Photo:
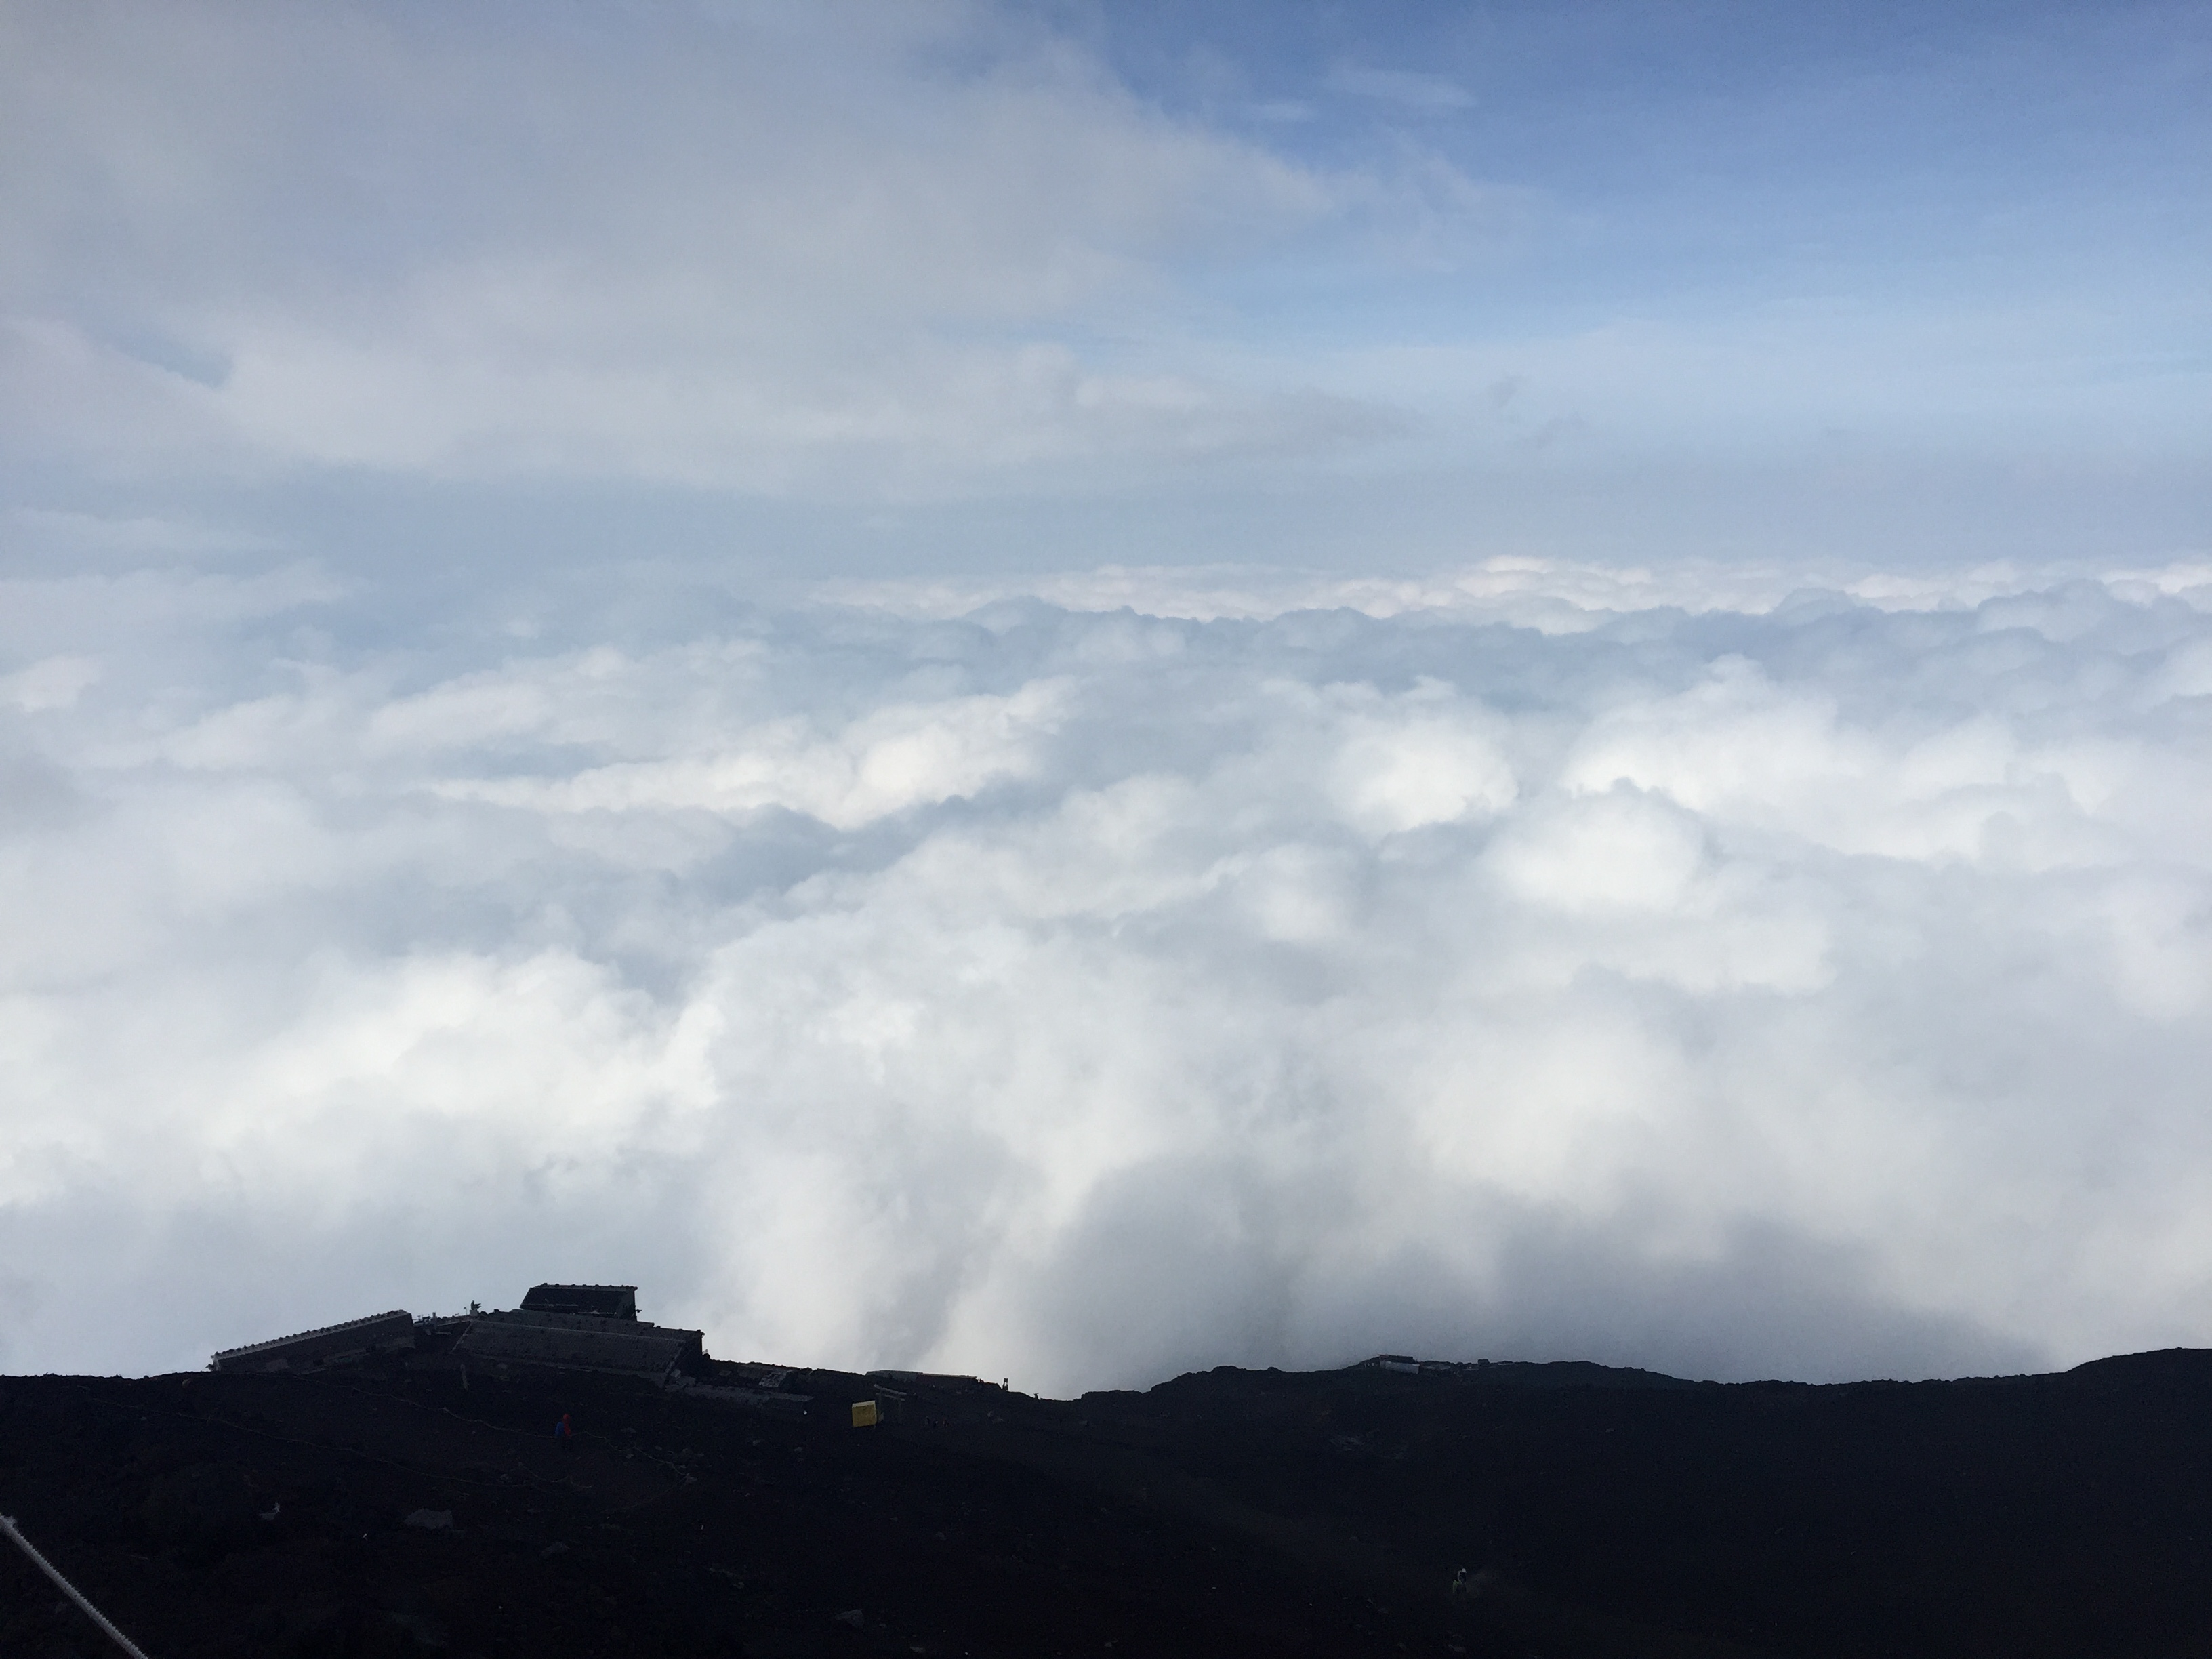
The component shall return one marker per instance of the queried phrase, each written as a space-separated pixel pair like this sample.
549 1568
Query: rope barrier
8 1526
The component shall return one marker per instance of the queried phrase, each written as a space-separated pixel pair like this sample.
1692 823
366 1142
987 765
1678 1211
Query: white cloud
55 683
883 247
1555 595
1407 767
1732 985
1773 962
896 757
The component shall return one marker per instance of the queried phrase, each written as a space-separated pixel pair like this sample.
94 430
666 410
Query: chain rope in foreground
8 1526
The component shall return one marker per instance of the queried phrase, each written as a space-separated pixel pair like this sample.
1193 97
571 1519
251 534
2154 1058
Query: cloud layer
1533 964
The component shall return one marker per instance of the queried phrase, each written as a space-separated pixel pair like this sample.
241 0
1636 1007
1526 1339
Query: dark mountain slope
1597 1512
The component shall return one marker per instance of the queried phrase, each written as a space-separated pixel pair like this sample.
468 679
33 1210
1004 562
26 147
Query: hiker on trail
565 1433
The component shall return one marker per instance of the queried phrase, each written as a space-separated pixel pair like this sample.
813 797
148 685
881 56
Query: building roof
325 1342
598 1301
580 1343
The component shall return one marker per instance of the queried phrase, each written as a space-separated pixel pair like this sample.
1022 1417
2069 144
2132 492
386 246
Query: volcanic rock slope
389 1510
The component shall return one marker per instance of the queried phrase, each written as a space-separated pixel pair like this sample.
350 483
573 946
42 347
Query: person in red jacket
565 1433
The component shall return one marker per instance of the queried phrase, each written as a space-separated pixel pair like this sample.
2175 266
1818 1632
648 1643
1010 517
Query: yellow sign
864 1413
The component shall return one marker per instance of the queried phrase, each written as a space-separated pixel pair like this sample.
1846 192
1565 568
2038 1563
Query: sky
1076 690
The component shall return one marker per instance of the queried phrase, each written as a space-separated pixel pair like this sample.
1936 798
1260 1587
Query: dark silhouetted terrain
1598 1512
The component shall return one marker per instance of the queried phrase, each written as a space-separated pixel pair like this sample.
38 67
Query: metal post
8 1526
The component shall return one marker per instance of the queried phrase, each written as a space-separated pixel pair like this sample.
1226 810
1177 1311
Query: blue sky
888 288
1717 154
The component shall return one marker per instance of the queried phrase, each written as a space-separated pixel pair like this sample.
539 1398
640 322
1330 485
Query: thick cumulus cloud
1535 963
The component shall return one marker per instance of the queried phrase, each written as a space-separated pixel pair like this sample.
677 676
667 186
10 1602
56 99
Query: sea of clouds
1083 980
